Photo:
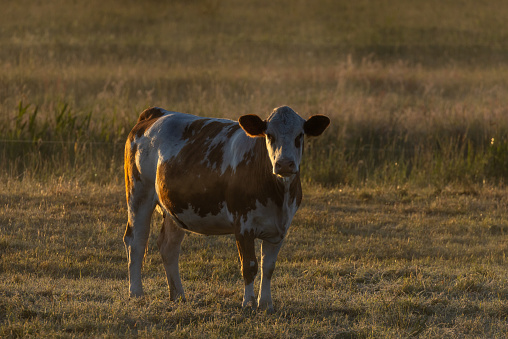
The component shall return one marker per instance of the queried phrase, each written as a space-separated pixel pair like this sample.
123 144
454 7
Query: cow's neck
288 198
286 189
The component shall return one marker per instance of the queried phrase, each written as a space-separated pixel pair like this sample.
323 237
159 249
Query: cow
213 177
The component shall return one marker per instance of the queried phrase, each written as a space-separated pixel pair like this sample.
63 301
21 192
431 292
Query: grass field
403 231
358 263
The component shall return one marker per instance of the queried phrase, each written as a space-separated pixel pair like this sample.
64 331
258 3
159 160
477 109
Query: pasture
404 223
360 263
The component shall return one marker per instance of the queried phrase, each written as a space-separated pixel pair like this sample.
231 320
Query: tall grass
61 144
415 95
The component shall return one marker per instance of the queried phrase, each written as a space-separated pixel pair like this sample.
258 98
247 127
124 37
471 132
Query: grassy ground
404 225
358 263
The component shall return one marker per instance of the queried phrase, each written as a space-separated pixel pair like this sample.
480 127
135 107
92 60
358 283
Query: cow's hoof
266 308
250 304
178 298
136 294
269 310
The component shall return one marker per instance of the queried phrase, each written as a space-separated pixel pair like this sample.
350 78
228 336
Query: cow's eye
298 141
270 138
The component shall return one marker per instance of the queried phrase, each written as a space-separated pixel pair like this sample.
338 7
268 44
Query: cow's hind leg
269 254
246 249
169 242
140 210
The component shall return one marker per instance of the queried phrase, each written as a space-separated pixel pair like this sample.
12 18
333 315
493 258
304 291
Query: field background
403 231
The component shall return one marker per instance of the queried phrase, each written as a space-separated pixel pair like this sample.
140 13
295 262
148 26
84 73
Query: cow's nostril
285 167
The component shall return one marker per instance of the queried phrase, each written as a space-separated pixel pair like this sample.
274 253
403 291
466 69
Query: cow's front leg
169 242
245 243
269 254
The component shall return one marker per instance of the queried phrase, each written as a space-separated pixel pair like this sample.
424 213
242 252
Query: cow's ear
316 125
253 125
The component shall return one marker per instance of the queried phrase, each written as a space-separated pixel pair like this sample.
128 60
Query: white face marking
284 141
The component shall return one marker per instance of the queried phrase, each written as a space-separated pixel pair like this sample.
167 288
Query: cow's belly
208 224
267 222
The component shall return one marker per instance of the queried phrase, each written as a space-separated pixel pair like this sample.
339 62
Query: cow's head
283 131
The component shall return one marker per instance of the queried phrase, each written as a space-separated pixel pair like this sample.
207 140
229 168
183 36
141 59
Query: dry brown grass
363 263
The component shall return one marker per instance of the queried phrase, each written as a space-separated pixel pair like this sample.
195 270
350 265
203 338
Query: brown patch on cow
254 181
247 252
186 180
150 113
146 119
190 178
201 130
193 128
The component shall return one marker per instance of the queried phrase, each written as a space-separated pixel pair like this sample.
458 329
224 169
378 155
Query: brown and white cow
212 177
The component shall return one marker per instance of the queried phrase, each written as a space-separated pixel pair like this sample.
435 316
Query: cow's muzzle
285 168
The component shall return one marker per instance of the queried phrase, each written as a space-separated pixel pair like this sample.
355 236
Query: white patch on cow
236 150
264 221
166 134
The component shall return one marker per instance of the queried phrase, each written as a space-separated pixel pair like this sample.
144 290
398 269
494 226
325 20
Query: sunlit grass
377 262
